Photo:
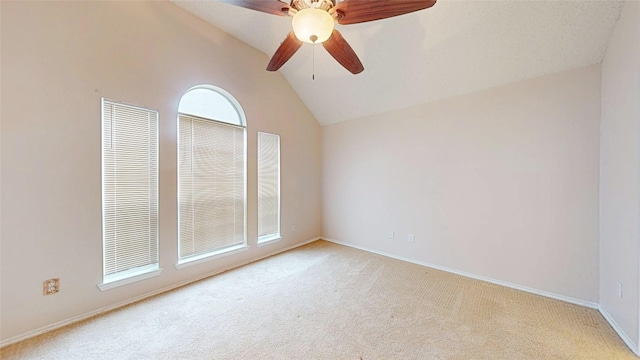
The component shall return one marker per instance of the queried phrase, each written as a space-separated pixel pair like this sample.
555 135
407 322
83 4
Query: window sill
269 239
211 256
134 277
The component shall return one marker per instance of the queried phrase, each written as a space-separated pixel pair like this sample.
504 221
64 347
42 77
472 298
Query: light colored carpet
326 301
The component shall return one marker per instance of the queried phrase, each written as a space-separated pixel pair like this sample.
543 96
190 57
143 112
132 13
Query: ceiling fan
313 22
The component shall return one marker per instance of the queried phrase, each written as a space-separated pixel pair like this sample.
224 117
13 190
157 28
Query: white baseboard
627 340
589 304
99 311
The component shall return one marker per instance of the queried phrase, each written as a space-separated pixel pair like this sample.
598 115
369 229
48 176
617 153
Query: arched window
211 174
212 103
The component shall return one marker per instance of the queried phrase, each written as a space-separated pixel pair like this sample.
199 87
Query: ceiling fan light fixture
312 26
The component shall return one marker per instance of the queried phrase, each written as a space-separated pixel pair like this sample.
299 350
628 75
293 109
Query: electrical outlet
391 234
412 238
51 286
619 289
293 227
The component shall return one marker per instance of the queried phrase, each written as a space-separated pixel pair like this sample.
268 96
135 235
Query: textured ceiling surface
453 48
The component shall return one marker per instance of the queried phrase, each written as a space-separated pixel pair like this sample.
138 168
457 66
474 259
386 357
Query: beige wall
501 183
620 174
58 60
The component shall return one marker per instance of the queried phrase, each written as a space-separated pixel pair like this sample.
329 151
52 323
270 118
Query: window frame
229 250
268 238
113 280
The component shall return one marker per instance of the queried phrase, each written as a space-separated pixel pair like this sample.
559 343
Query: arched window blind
129 190
211 174
268 187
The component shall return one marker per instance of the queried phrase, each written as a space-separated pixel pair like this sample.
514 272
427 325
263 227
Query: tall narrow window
211 174
268 187
129 191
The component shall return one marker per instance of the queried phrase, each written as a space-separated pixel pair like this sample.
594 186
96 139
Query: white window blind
211 187
268 186
129 190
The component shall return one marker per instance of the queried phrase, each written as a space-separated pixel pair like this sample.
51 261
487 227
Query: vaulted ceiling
453 48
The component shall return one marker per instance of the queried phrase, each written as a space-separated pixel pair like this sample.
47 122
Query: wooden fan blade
289 46
275 7
359 11
340 49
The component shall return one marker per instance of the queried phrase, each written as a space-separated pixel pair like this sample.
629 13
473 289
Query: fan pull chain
313 62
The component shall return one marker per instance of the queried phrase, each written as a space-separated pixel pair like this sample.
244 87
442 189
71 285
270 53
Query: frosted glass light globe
312 26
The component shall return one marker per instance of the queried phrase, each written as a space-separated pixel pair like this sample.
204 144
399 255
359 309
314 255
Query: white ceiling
453 48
